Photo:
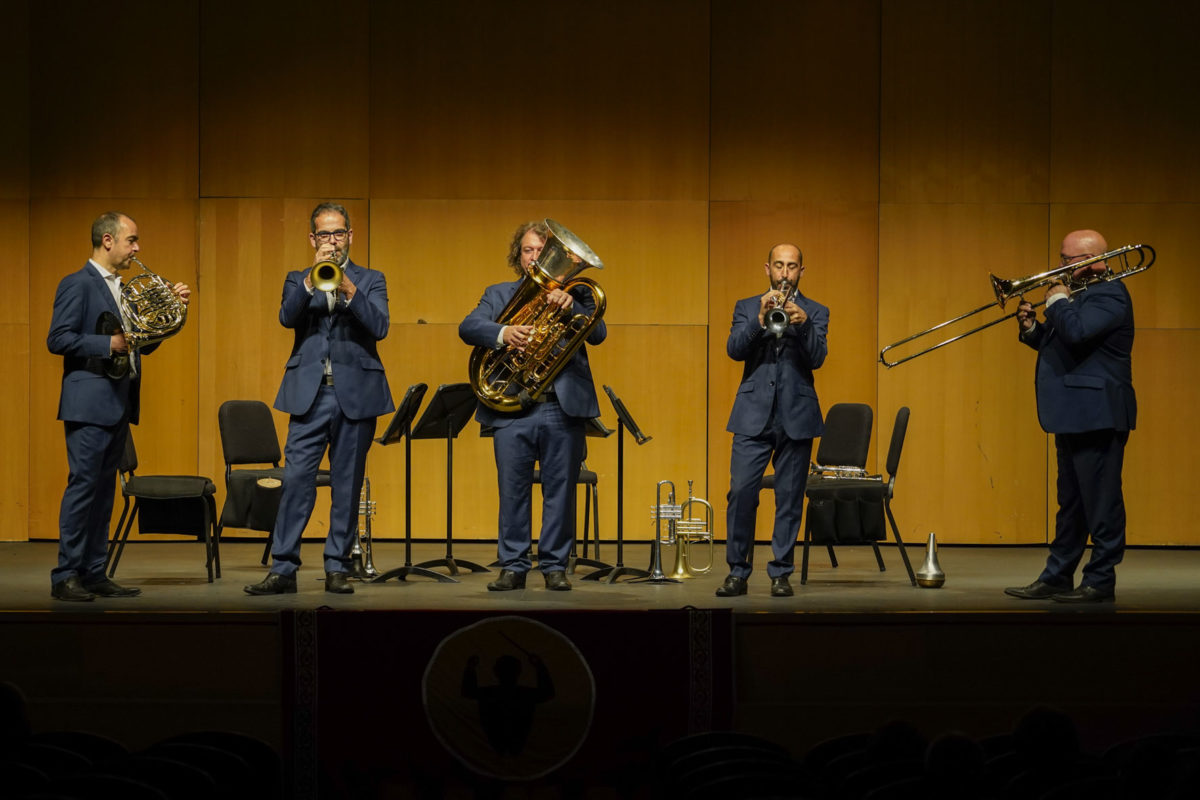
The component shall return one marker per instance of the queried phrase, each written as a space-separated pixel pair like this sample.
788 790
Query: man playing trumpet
1085 397
775 415
333 387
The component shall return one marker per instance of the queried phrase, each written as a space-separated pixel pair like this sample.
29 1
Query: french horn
150 313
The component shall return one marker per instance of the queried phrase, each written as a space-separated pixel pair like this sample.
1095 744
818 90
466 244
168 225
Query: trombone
1006 290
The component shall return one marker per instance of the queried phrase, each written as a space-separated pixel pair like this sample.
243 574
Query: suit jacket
778 368
1084 376
87 394
573 386
347 336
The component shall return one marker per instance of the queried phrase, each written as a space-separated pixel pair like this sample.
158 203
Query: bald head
1079 245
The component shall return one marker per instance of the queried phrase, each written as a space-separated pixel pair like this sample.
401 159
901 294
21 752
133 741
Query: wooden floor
173 578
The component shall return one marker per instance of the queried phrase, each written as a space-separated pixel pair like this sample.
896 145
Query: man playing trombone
1085 398
780 336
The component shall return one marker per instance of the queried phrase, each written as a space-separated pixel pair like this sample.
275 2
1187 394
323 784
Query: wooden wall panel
539 99
965 101
1124 126
1157 475
973 457
795 100
284 99
1168 294
444 252
14 393
14 134
116 115
839 245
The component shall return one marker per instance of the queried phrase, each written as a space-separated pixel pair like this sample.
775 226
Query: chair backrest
248 433
898 431
847 436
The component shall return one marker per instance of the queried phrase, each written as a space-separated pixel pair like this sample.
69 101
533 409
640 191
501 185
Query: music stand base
402 573
572 563
453 565
657 579
613 573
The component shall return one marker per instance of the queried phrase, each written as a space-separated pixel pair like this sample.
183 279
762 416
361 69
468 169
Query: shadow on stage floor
384 679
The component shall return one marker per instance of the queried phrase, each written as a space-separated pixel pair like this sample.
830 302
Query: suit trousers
308 435
93 455
1089 500
748 462
549 437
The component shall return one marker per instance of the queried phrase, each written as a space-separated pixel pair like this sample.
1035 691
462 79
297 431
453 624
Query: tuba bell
510 380
150 313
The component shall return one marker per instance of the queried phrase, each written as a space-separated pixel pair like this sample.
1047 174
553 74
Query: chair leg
596 518
887 506
878 557
832 558
267 548
124 535
208 541
587 517
804 556
116 537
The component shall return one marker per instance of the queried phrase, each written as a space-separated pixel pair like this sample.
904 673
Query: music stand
399 428
445 417
624 422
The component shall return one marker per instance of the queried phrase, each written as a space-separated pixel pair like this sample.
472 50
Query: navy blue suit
550 433
340 416
96 412
1085 397
775 416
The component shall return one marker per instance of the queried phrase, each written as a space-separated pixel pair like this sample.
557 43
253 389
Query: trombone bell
325 276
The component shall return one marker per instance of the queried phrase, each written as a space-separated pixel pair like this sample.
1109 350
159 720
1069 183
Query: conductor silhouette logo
509 697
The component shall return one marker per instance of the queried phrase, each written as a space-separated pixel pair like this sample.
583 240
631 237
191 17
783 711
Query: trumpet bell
325 276
930 575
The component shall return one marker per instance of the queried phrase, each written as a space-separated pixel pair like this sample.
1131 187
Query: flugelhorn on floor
1006 290
687 530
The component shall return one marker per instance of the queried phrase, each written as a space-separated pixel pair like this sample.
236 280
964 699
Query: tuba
511 380
151 312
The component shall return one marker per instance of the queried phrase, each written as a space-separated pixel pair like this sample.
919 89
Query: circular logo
509 697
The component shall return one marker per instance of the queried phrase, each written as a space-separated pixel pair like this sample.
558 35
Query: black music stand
624 422
400 428
445 417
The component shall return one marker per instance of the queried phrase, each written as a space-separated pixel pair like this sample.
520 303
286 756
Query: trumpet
361 564
325 276
1006 290
776 318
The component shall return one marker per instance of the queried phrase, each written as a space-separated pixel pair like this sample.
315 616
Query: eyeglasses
324 236
1065 259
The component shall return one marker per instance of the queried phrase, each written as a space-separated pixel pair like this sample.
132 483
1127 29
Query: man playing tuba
549 432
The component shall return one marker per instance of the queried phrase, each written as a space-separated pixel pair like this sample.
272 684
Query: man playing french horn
550 432
97 405
775 415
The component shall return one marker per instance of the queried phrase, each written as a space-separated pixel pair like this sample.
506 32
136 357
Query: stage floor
173 578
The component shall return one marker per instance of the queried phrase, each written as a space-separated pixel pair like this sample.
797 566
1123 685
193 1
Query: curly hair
514 247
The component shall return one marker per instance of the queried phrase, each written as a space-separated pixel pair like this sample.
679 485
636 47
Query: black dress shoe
107 588
1085 594
780 587
71 589
557 581
732 587
336 583
507 581
1036 591
274 583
